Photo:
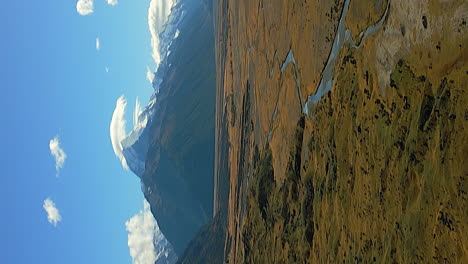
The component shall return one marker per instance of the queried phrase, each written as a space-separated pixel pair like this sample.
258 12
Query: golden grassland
377 172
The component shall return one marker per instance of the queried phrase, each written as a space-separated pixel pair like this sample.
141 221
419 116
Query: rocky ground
376 172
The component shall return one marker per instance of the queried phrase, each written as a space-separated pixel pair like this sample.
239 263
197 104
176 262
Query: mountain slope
375 171
178 175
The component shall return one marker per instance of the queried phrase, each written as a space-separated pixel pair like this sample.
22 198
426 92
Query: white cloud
158 13
141 231
84 7
53 214
112 2
98 44
117 129
57 152
107 69
149 74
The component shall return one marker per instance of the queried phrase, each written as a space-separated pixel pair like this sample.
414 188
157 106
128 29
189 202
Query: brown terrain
378 169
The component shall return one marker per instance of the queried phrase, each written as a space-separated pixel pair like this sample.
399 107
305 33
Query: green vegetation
378 174
377 171
278 227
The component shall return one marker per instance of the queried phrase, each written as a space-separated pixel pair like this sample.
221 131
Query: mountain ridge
175 140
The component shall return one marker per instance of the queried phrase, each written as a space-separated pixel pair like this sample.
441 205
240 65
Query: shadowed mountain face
208 244
178 175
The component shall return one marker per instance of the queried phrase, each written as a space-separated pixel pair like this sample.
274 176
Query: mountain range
171 147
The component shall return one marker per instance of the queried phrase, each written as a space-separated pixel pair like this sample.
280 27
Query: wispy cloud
149 74
158 13
117 129
84 7
141 229
107 69
98 44
112 2
58 153
53 214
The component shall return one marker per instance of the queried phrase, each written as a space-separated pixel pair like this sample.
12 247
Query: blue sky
54 83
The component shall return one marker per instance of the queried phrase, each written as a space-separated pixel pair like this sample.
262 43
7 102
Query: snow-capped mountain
169 33
171 145
164 252
135 145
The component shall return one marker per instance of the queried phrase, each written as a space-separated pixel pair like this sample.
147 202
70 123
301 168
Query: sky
65 197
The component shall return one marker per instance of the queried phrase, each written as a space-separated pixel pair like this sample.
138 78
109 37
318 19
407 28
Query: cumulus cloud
158 13
149 74
117 129
53 214
84 7
141 230
57 152
98 44
112 2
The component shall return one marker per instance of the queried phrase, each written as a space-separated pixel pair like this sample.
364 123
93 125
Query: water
342 36
289 59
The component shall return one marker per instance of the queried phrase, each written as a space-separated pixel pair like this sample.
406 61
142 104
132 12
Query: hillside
375 170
